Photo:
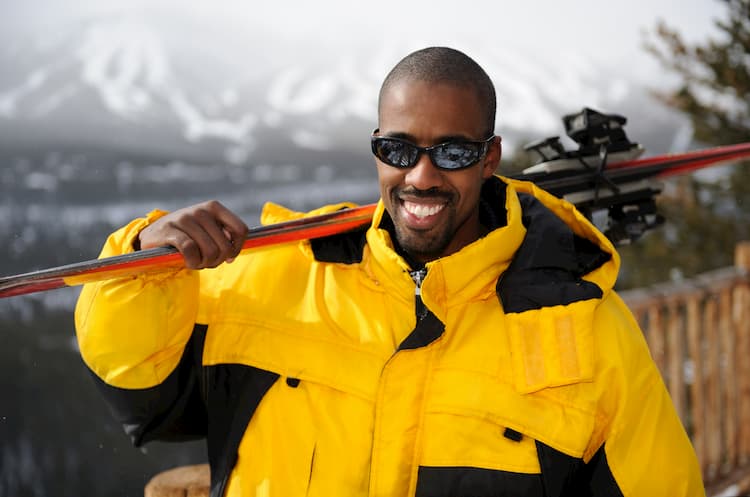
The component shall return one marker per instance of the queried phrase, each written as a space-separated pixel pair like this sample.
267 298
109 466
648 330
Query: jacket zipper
418 276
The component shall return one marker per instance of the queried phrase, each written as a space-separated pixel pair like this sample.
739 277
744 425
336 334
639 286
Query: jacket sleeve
641 445
138 337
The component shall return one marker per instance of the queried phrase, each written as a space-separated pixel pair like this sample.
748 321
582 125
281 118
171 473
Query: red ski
164 258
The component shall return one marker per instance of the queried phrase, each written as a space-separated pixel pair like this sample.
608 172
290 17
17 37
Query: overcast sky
599 29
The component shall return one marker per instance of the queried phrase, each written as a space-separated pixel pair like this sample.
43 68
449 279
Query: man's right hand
206 234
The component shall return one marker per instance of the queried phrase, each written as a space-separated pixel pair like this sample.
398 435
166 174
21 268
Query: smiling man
467 343
434 209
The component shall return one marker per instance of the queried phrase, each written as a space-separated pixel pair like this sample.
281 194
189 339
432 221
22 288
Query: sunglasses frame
374 138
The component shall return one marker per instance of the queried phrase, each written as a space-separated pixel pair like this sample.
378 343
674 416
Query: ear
492 158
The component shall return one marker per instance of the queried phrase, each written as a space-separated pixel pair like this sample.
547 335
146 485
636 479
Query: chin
418 246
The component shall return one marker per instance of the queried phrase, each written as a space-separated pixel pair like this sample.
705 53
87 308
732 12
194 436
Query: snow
295 91
197 127
9 99
125 62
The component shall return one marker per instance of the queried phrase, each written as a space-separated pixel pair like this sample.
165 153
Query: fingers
199 240
233 228
206 234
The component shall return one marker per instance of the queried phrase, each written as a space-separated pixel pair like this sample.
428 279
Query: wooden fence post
713 393
742 256
676 358
697 391
728 381
741 315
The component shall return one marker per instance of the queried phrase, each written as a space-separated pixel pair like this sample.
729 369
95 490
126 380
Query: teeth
421 210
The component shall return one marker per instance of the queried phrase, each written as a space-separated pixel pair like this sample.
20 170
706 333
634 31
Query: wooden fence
698 331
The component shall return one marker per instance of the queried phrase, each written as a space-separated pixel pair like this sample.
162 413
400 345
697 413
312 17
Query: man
468 343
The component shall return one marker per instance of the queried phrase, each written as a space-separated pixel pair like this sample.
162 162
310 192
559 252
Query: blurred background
108 110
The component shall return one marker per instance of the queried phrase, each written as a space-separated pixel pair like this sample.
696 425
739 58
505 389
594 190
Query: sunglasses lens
456 155
452 155
395 152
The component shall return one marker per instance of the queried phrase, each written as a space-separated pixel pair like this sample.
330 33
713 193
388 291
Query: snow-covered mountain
181 87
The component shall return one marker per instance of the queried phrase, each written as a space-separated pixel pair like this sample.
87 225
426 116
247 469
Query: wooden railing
698 331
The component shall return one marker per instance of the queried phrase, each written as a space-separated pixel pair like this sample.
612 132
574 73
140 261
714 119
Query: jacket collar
469 273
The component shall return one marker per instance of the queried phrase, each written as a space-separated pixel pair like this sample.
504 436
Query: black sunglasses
450 155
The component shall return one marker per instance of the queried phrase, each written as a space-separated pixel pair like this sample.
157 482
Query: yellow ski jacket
322 369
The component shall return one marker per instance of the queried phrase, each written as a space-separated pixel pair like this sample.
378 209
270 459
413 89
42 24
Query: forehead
424 111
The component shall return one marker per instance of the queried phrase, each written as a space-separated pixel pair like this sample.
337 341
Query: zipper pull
418 277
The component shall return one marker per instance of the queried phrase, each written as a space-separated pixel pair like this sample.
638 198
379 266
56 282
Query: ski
166 258
620 199
578 178
603 178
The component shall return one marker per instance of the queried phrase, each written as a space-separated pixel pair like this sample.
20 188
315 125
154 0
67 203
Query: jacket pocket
467 456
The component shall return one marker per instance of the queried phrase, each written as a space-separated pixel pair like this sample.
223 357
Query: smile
421 210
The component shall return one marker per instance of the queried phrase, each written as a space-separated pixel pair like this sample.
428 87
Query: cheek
388 178
469 188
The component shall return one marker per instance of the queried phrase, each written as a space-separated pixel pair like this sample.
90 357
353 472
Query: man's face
435 212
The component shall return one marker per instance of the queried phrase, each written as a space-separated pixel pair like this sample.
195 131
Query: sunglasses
450 155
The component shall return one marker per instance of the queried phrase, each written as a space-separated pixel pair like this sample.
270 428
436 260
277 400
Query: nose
424 175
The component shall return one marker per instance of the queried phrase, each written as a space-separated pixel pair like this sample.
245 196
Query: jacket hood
563 255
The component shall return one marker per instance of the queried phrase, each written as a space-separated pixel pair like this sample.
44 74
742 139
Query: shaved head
447 66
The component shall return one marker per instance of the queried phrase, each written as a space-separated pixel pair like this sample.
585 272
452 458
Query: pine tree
705 218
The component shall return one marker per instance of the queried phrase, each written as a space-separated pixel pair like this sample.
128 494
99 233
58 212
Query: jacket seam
279 329
489 465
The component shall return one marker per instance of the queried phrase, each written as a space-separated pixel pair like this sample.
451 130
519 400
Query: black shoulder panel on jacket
345 248
548 268
171 411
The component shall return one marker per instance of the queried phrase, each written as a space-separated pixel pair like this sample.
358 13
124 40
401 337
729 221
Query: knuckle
180 219
190 252
213 206
201 215
188 246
